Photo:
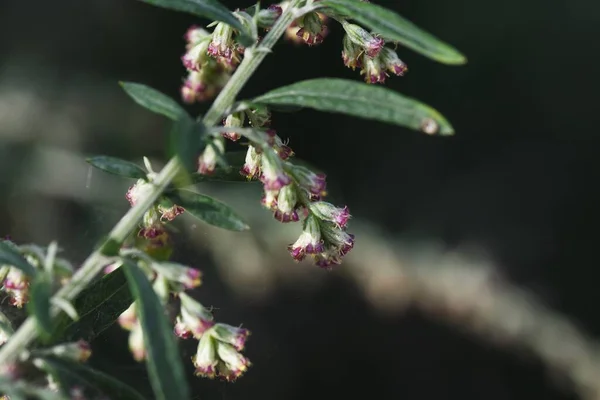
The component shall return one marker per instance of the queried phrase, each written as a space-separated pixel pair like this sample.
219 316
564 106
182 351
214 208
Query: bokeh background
504 212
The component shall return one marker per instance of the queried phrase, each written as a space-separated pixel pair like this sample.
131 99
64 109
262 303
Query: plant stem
93 265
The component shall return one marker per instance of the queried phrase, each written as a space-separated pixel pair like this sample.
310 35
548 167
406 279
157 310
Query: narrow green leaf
92 378
396 28
154 100
359 100
209 9
116 166
209 210
5 325
9 255
163 362
40 292
98 307
186 142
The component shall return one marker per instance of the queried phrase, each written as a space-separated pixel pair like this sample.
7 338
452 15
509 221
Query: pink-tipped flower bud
235 120
189 277
371 44
331 213
138 191
195 56
309 242
223 48
205 360
315 184
128 318
195 316
79 351
251 167
273 176
312 29
232 335
234 364
373 70
287 201
136 343
390 60
351 53
208 159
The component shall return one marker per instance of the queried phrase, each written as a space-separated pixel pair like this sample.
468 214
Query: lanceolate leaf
209 9
209 210
163 362
38 306
92 378
117 166
10 256
359 100
396 28
154 100
98 307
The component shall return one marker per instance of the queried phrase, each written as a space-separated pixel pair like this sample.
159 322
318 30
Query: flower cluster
367 51
293 192
153 227
219 344
15 283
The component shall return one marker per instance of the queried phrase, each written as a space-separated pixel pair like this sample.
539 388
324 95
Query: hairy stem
93 265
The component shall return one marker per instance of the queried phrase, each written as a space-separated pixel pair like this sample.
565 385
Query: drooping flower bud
311 29
79 351
331 213
232 335
373 70
205 360
273 176
314 183
235 120
222 46
208 159
195 316
251 167
391 62
371 44
139 190
286 204
128 318
351 53
233 364
136 342
189 277
196 56
309 242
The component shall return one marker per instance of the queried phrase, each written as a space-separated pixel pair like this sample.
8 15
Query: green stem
93 265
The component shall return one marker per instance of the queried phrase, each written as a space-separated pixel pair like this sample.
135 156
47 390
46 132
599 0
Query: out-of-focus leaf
396 28
209 9
186 142
359 100
164 365
9 255
154 100
38 306
209 210
116 166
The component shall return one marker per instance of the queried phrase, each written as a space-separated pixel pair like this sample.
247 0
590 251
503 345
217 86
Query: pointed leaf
396 28
98 307
90 377
163 362
154 100
359 100
209 9
116 166
40 292
209 210
9 255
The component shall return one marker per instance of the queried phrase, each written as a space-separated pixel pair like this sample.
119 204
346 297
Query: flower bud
128 318
311 29
188 277
170 213
331 213
230 334
205 360
234 364
222 46
136 342
195 56
208 159
391 62
269 200
138 191
273 176
309 242
195 34
315 184
267 17
371 44
251 167
235 120
373 70
351 53
79 351
286 204
194 315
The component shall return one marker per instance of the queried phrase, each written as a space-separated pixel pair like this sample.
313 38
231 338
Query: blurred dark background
517 181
